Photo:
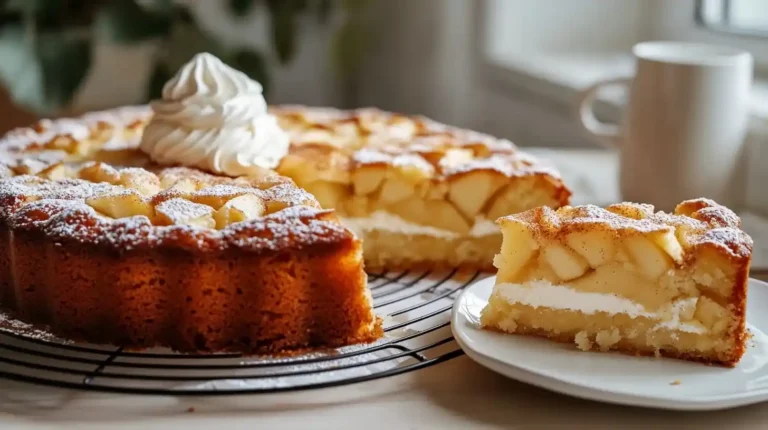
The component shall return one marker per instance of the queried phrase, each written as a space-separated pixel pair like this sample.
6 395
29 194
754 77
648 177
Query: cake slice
627 279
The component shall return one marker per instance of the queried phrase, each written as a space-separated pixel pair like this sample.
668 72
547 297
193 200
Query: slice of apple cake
625 278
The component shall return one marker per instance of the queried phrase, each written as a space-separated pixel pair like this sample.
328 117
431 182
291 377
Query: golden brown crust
630 349
60 213
698 223
217 301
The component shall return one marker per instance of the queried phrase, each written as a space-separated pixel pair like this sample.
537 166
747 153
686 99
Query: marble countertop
454 394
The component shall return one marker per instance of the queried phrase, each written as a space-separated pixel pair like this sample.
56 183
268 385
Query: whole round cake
208 221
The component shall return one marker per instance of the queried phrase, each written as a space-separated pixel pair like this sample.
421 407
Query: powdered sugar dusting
393 139
14 326
181 211
59 210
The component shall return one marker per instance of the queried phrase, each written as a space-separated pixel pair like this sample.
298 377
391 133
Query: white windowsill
561 77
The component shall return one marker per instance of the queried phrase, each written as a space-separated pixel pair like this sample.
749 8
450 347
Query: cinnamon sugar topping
695 223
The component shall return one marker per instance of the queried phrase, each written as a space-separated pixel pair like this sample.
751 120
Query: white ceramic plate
614 378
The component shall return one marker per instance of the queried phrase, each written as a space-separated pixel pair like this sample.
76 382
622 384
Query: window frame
701 21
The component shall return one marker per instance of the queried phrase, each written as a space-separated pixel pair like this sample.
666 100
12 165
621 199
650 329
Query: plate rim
558 385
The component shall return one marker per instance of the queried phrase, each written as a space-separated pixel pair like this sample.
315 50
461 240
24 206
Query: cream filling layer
385 221
544 294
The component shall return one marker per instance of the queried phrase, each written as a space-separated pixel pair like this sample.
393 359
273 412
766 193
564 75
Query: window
538 56
747 17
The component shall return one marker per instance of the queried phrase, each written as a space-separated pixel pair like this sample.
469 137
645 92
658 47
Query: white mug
684 126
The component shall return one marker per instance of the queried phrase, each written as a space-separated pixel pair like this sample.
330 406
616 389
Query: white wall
428 62
665 24
524 26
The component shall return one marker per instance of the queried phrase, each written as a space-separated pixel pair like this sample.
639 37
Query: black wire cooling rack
416 308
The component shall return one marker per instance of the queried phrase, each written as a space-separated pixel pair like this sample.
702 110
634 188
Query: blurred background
512 68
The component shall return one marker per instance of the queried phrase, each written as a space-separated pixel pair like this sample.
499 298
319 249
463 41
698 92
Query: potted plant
46 46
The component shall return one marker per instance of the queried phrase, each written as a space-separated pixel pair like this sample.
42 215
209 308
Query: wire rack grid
415 306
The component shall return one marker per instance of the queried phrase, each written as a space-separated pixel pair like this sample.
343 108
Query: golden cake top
344 140
198 212
82 179
90 168
694 223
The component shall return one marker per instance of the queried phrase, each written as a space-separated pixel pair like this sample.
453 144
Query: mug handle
608 135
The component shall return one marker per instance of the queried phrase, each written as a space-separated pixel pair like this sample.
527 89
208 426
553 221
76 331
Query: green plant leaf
324 9
185 41
354 5
253 64
160 75
30 6
284 29
240 8
158 6
43 13
349 46
124 21
43 74
300 5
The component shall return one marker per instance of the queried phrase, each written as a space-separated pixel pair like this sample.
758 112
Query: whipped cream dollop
214 117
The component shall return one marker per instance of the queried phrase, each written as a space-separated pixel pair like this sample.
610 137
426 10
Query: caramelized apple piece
566 263
329 194
100 172
367 179
186 185
444 215
517 249
413 168
512 198
413 210
184 212
396 189
649 258
239 209
470 191
437 190
668 242
597 247
143 181
56 172
121 204
356 206
631 210
217 195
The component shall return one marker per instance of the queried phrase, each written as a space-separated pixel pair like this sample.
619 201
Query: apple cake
179 258
209 221
627 279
